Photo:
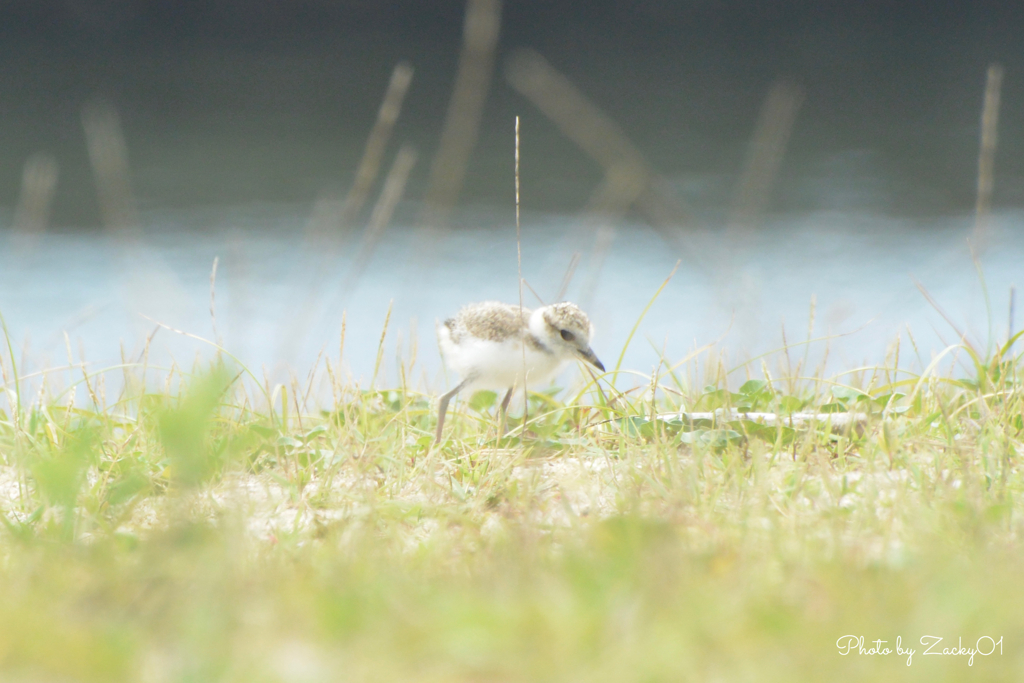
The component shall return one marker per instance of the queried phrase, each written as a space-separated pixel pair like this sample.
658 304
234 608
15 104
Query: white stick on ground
838 421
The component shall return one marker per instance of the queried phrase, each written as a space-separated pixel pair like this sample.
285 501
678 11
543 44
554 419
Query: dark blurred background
228 102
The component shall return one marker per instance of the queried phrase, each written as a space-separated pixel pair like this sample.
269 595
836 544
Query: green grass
218 530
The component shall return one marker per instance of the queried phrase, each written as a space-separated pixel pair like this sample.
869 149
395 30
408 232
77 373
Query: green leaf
482 400
391 399
790 404
319 429
633 426
672 425
712 400
126 487
769 433
849 395
743 403
884 399
61 477
715 439
753 386
185 430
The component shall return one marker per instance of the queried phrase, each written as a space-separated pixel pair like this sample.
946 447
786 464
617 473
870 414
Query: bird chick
492 345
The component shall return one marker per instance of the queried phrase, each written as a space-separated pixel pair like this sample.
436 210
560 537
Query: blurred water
279 301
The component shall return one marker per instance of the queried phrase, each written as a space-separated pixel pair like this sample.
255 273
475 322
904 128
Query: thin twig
462 122
567 279
764 156
987 152
599 137
38 183
1013 301
108 155
949 321
376 143
213 298
519 262
394 187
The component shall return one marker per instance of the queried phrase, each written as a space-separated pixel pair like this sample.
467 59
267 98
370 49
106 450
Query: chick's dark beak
587 354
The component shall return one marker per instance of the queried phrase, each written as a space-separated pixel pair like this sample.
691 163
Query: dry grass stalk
462 123
394 187
987 153
377 142
598 136
622 186
108 155
38 184
767 148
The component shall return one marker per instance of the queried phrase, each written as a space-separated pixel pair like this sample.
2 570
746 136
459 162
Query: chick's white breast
496 364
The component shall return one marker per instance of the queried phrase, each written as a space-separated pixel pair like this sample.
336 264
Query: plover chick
497 346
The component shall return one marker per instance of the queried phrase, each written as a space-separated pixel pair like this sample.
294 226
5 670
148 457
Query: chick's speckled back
488 320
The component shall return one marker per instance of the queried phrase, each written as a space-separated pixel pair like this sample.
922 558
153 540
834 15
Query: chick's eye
567 335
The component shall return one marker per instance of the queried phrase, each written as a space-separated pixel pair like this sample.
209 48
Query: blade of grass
636 325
